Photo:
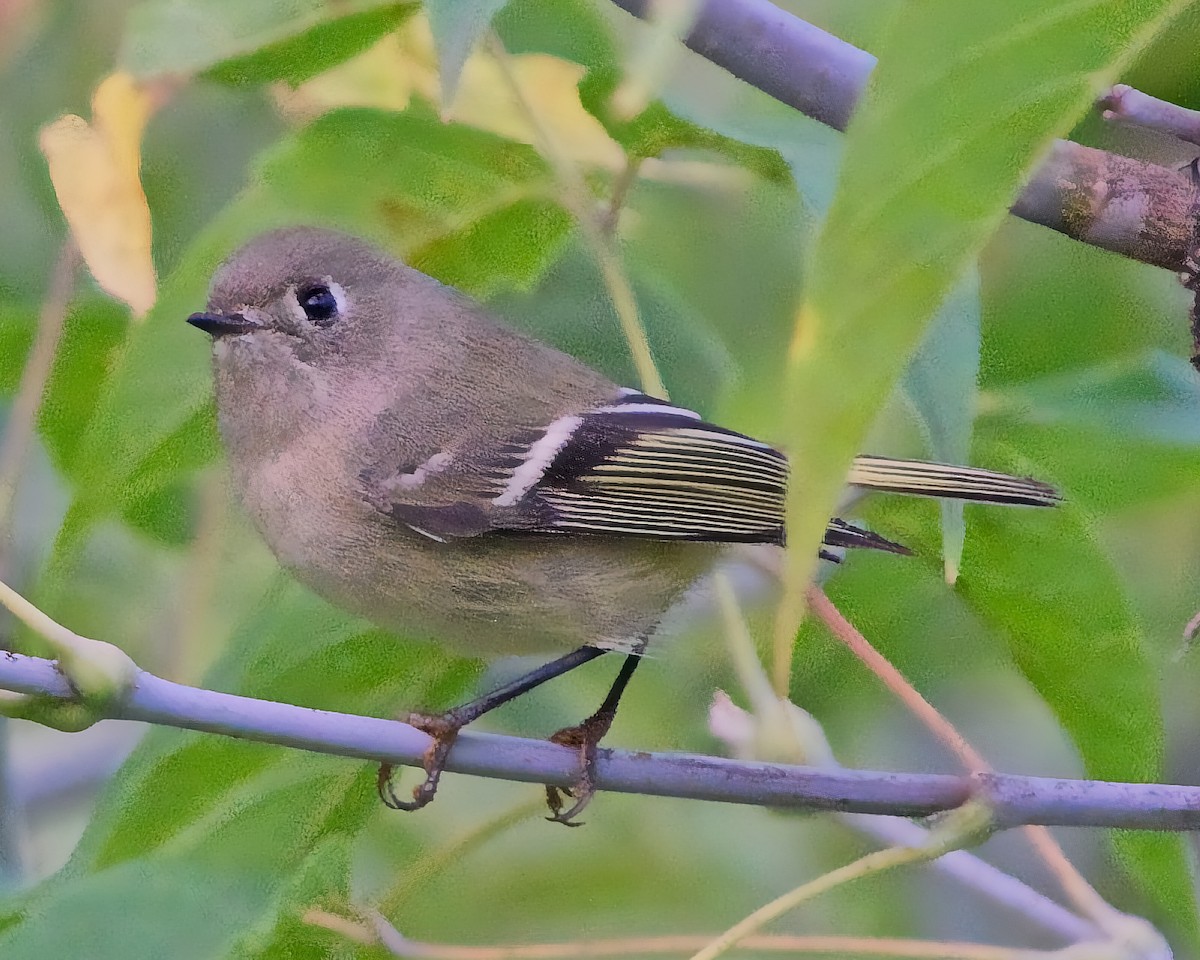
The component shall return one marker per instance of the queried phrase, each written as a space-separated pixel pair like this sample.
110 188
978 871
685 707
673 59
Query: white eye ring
323 302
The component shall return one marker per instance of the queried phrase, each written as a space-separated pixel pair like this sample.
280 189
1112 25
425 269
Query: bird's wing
642 467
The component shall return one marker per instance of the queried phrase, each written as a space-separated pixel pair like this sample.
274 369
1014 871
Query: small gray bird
414 460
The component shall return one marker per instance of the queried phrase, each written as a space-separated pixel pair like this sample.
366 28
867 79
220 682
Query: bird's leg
585 737
444 727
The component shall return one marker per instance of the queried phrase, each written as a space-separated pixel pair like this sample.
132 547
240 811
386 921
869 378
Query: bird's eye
319 304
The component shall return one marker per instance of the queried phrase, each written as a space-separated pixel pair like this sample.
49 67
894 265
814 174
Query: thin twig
417 874
376 930
1137 209
1080 892
976 874
1125 104
894 680
809 741
577 198
22 416
620 193
872 863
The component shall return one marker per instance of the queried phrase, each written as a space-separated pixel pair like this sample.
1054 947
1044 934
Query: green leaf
188 36
1094 467
17 328
457 26
252 816
298 58
1149 396
92 336
158 495
322 881
926 178
941 383
701 93
188 911
483 258
656 129
1044 584
240 803
569 29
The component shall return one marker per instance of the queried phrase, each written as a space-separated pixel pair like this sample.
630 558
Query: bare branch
1015 800
1137 209
1127 105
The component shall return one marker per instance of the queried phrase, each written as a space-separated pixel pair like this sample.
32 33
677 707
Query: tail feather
923 479
841 533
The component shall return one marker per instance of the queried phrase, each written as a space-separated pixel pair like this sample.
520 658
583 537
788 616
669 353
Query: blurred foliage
1056 651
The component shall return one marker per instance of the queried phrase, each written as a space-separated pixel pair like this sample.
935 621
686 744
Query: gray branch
1127 105
1014 800
1137 209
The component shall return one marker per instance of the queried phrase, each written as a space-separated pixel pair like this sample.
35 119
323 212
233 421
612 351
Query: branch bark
1137 209
1014 800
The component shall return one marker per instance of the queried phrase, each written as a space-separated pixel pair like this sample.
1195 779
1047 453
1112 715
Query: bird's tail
923 479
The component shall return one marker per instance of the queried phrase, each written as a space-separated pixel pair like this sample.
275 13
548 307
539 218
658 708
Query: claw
582 795
444 732
585 737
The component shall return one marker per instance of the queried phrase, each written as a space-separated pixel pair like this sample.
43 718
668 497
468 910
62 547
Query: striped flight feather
663 526
632 531
703 465
716 496
665 532
768 469
622 508
718 455
735 478
674 478
945 476
717 435
967 483
691 439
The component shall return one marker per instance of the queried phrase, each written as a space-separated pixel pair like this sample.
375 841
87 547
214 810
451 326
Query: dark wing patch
442 522
641 467
646 469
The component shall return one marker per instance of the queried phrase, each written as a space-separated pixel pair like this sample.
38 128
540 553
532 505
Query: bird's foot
584 737
444 730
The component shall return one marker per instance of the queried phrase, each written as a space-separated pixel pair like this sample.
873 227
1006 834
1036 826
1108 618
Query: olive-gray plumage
408 399
416 461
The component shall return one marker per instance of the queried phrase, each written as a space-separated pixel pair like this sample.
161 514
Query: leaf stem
22 416
578 200
1078 890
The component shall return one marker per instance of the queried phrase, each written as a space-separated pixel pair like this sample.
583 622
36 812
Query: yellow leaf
404 64
94 169
552 87
385 76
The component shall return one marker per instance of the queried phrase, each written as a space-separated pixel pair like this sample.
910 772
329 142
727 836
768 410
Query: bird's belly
500 595
490 595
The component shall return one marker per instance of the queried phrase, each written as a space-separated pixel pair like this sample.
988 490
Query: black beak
220 325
